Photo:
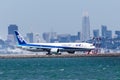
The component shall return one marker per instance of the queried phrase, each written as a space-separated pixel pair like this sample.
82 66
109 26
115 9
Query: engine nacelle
54 50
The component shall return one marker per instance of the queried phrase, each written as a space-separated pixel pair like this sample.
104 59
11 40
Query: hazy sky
62 16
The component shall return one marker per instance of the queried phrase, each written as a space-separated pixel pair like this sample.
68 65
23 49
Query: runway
36 55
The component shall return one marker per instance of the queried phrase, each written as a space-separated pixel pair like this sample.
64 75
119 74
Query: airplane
53 48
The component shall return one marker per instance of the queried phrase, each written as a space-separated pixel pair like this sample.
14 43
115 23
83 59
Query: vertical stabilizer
19 38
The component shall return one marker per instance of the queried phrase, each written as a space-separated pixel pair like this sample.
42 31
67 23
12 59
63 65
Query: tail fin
19 38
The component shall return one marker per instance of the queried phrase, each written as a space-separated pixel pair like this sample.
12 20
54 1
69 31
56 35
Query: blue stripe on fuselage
46 46
50 46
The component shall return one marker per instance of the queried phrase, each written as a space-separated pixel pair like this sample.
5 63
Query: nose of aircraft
92 46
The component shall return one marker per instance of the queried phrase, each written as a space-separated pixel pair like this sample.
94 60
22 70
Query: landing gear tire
59 53
89 52
48 54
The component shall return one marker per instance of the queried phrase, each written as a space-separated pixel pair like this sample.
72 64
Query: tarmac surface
2 56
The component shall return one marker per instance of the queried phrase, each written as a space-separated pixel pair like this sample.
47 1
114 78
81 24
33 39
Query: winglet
19 38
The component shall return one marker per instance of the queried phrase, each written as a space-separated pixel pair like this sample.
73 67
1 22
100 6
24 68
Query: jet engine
54 50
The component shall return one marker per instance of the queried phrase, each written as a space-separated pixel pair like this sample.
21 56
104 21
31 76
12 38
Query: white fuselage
58 46
53 47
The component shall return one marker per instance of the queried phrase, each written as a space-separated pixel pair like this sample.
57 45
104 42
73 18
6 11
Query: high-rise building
11 35
79 35
106 33
96 33
30 37
46 36
117 33
64 37
12 28
37 38
104 30
85 27
109 34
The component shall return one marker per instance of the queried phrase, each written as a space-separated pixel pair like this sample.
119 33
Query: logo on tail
19 38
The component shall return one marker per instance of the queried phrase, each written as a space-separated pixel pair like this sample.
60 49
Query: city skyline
67 37
57 16
104 41
99 32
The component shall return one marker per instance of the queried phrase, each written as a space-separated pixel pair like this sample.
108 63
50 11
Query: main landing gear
92 52
50 53
88 52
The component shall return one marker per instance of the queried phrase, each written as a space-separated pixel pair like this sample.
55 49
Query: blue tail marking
19 38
